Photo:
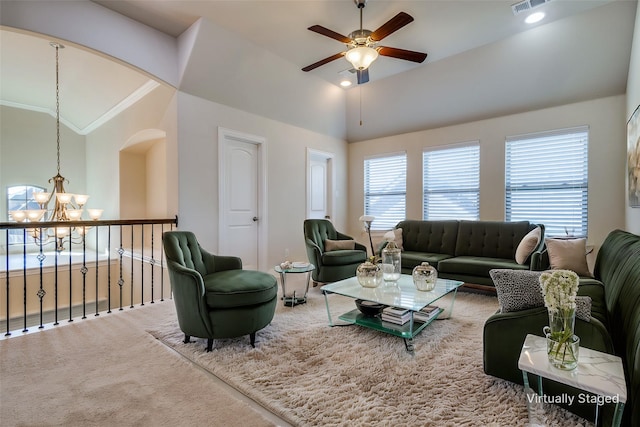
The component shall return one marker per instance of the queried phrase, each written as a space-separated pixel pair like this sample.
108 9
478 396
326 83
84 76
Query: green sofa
466 250
614 326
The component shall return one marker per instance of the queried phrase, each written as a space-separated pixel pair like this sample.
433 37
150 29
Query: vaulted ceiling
482 59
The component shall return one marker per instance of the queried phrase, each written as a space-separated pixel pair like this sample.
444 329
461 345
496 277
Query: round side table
293 300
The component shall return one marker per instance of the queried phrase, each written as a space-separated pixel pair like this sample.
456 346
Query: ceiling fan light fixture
361 57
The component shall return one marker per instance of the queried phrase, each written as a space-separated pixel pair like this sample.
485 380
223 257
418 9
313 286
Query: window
20 197
451 183
546 180
385 190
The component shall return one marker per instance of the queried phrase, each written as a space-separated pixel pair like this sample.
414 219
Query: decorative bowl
369 308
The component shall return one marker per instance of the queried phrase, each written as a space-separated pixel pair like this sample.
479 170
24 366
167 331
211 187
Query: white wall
28 153
286 146
605 118
633 100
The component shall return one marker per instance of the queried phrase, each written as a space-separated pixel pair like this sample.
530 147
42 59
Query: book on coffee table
396 315
427 313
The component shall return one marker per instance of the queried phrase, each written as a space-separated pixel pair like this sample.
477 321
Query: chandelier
67 206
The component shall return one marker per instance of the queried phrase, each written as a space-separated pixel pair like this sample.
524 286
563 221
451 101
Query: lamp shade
64 198
367 218
81 199
41 197
361 57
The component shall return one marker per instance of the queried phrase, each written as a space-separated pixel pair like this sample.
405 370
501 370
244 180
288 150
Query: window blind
547 180
385 190
451 183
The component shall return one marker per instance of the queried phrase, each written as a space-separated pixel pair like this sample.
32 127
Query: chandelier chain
57 109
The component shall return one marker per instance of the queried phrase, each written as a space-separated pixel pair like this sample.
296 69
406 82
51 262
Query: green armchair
214 297
334 260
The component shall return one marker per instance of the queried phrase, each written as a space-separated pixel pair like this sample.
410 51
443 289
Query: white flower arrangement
559 288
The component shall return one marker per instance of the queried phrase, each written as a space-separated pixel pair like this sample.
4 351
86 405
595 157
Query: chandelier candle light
65 209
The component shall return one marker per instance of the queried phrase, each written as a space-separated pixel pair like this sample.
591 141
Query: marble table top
597 372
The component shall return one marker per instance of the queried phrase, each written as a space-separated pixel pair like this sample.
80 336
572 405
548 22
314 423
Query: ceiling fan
362 44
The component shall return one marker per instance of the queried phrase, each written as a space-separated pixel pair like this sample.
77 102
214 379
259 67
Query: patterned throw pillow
517 289
520 289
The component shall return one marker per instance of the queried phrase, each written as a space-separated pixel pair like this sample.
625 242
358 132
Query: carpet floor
311 374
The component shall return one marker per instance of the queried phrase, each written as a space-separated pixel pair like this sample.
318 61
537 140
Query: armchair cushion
343 257
239 288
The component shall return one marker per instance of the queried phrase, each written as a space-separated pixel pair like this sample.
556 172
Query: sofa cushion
568 254
335 245
343 257
493 239
239 288
412 259
438 237
477 265
527 245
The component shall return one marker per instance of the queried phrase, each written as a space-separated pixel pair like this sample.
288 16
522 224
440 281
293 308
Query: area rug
311 374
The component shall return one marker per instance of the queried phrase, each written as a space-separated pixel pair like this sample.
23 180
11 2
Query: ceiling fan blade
323 61
329 33
407 55
391 26
363 76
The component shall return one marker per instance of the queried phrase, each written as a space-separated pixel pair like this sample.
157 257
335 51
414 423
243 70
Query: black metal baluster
6 277
70 279
131 266
152 262
142 265
161 263
55 284
97 252
41 292
109 269
120 280
84 271
24 278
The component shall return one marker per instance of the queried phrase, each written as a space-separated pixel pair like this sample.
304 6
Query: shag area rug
311 374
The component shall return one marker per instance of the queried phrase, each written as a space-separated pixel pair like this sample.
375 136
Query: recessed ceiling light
345 83
534 17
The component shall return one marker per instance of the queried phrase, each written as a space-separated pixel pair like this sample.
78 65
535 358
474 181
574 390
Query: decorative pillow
583 308
520 289
517 289
337 245
528 244
395 236
568 254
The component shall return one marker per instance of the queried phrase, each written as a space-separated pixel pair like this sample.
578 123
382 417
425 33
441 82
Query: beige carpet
314 375
108 371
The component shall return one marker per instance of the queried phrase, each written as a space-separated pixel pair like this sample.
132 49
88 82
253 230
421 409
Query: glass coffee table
402 294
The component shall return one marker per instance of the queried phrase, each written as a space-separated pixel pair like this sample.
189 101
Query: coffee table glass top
401 294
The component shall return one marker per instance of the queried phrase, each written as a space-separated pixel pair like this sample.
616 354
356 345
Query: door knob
255 218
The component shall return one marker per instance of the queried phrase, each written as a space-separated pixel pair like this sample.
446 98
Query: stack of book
396 315
400 316
426 314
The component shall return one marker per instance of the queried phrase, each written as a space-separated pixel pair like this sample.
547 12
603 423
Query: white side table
598 373
293 300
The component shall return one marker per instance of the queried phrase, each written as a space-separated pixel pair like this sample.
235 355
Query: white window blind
547 180
451 183
385 190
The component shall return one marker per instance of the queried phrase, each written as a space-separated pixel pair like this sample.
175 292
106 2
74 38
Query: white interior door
240 196
319 184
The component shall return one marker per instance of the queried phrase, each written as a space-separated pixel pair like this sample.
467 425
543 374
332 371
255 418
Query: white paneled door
319 182
240 207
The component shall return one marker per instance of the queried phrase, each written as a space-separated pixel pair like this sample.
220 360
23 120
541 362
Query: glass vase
369 275
391 263
424 277
562 345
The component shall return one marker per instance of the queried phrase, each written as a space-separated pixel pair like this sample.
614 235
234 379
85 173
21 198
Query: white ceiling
475 47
